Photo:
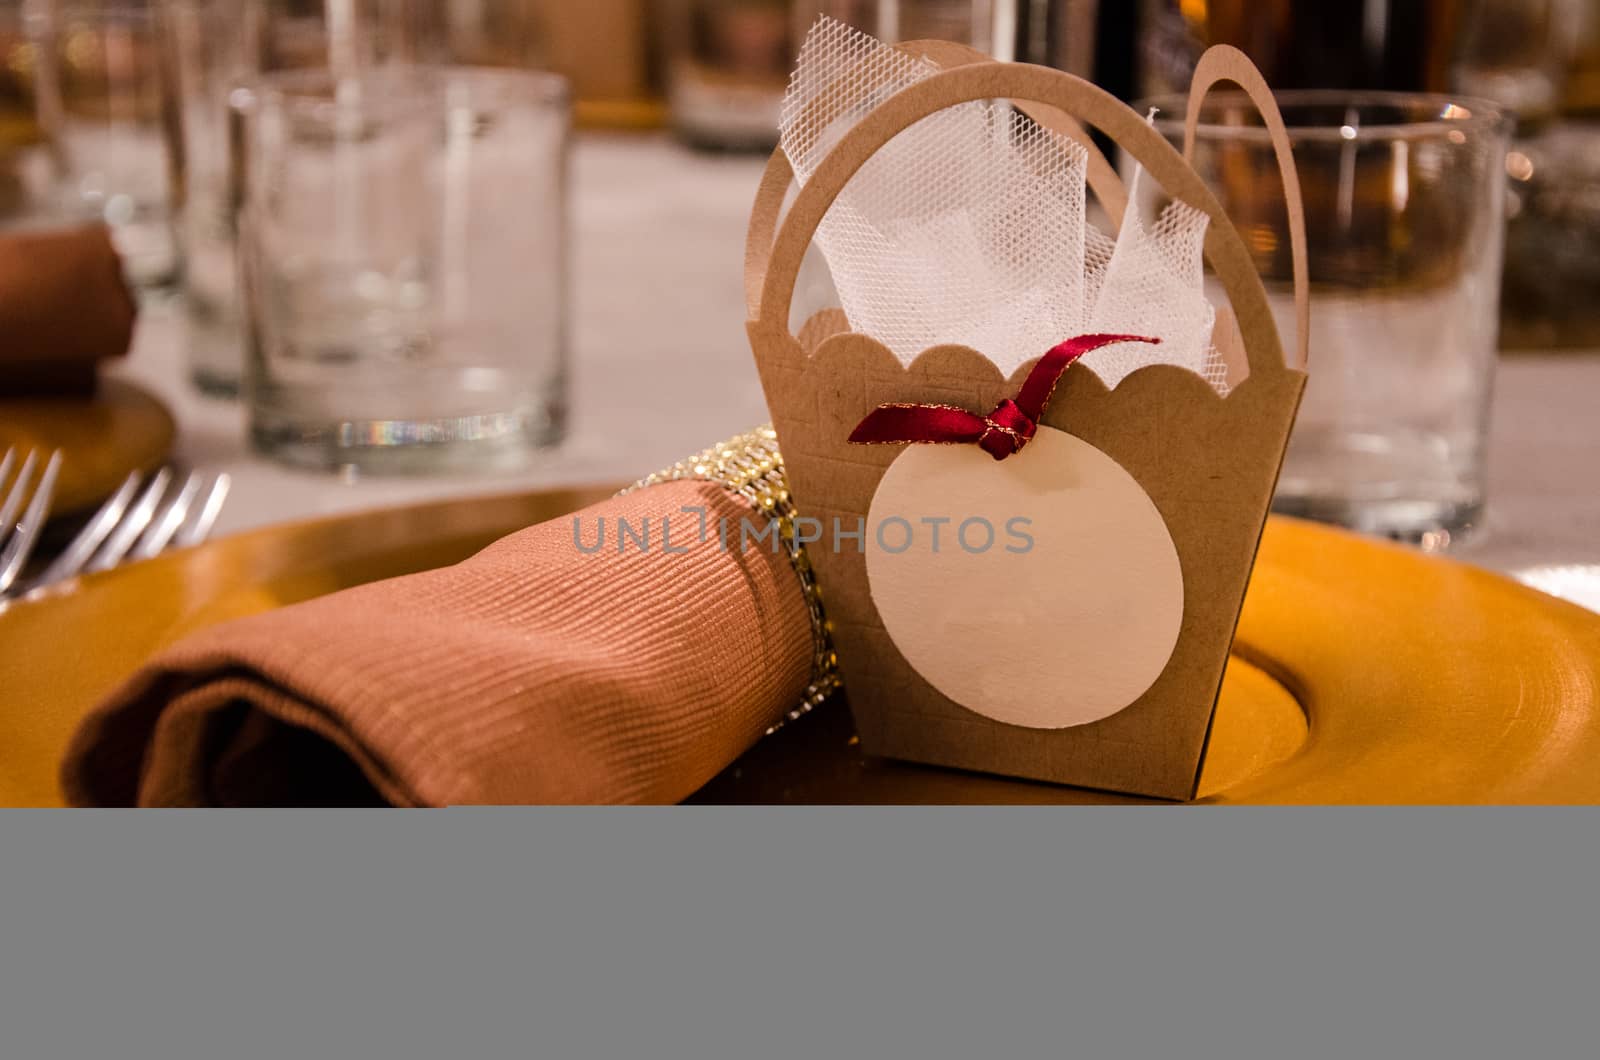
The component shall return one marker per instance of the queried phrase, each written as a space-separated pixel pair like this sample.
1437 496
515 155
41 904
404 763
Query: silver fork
134 524
20 536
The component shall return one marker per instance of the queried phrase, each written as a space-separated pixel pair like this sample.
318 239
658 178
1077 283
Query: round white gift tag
1042 590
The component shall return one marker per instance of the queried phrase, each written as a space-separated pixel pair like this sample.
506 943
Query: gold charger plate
121 429
1362 672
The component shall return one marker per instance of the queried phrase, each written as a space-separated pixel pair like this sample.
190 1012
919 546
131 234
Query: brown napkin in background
64 307
531 673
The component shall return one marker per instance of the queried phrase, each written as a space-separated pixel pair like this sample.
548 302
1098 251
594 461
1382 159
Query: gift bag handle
1101 175
773 262
1227 63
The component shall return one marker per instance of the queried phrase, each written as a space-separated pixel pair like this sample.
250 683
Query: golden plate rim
1424 719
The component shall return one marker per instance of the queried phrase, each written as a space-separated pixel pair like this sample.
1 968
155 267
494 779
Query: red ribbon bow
1004 431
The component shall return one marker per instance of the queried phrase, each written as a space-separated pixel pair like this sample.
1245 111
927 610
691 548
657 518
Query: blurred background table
661 369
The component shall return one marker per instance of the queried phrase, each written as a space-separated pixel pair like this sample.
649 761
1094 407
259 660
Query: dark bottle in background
1401 45
1536 57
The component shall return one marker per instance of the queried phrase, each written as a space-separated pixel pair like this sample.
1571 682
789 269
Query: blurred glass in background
727 62
1516 52
93 71
1540 58
217 46
1404 205
213 45
404 265
1400 45
1553 242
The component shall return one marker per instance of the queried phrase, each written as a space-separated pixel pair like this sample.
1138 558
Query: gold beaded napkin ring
751 468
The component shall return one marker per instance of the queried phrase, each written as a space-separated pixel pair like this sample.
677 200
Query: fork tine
199 528
6 462
27 535
19 490
132 524
93 534
166 524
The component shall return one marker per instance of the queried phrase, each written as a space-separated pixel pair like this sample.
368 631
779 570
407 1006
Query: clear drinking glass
215 46
101 78
1405 218
404 265
501 33
346 35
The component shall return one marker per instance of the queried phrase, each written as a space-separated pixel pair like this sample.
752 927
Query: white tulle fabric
970 228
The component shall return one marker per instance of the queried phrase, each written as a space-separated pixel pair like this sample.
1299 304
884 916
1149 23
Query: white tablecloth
661 369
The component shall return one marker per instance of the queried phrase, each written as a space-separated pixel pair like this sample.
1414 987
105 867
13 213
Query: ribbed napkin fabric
534 672
64 307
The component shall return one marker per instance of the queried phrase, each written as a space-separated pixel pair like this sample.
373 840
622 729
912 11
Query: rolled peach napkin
531 673
64 307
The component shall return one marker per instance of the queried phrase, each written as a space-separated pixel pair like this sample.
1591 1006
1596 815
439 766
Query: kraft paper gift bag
1034 463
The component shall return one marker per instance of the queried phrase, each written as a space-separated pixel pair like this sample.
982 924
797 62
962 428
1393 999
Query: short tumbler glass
215 46
404 266
1405 218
